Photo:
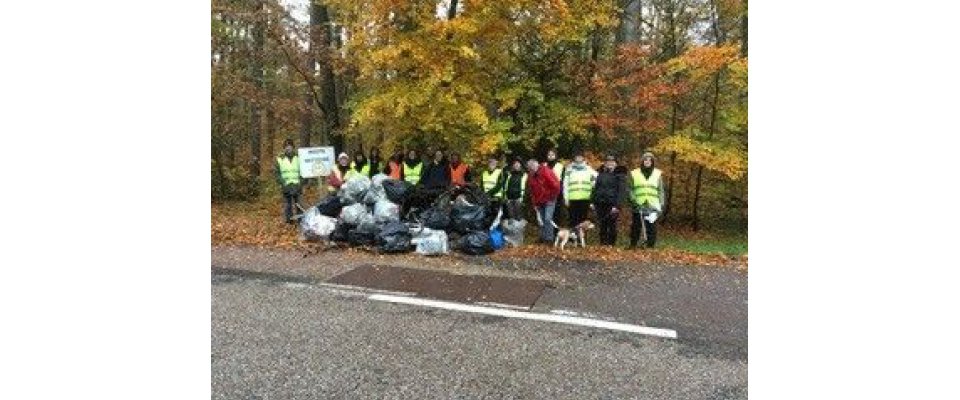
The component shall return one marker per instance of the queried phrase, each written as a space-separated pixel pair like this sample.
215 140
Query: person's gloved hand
652 217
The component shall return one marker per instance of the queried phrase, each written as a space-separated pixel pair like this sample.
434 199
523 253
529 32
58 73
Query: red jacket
543 186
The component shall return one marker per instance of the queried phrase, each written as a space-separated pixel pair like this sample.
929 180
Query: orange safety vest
395 169
458 174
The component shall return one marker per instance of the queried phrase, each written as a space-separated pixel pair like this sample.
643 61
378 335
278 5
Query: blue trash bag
496 239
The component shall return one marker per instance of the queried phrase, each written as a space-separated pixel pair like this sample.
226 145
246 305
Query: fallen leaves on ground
613 255
260 224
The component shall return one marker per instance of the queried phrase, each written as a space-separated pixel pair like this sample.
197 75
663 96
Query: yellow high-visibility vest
646 191
412 174
289 170
489 180
365 171
579 184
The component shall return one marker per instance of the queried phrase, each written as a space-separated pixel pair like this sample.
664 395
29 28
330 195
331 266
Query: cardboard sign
315 161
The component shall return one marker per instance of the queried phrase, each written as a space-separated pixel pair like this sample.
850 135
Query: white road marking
361 289
578 314
501 305
563 319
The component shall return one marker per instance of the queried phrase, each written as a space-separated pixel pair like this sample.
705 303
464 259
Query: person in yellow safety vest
578 181
412 167
287 169
359 166
514 188
559 169
492 179
647 194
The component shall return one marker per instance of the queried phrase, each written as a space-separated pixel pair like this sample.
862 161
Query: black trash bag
341 232
476 243
363 235
397 191
422 197
472 193
394 237
435 218
330 206
465 218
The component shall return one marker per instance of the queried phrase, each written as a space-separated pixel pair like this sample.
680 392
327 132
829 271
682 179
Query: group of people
550 187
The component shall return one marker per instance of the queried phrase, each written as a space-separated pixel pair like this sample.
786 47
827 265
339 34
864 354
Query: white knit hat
343 155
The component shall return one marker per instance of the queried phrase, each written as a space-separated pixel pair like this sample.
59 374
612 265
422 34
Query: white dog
577 234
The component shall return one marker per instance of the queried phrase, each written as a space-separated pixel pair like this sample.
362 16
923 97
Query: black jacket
609 187
436 174
512 187
375 167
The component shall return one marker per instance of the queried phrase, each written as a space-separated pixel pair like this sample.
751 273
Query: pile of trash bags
395 216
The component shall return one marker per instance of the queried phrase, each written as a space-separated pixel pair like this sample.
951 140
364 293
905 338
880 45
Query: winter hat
648 154
343 155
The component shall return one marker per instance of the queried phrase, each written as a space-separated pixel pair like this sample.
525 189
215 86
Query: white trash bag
513 231
315 226
354 189
367 219
430 242
378 179
376 192
386 211
354 214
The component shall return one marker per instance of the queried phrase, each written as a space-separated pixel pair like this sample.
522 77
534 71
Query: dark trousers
290 201
579 210
635 225
558 212
513 209
607 222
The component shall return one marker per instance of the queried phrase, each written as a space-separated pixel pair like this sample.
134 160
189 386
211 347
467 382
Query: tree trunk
673 157
306 121
320 36
696 200
719 37
306 117
743 31
628 31
256 66
452 11
667 207
270 134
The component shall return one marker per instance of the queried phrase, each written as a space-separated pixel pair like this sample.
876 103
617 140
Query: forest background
482 77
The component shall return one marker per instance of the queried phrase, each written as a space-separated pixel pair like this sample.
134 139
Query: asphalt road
280 338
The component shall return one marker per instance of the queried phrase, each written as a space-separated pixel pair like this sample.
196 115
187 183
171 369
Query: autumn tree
479 77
